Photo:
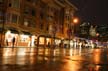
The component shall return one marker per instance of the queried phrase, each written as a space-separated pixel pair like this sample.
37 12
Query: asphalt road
53 59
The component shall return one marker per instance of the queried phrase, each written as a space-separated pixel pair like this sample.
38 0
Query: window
1 1
29 23
26 22
14 18
1 13
1 20
67 17
41 16
30 11
26 10
33 12
8 15
14 3
33 24
47 28
10 4
41 26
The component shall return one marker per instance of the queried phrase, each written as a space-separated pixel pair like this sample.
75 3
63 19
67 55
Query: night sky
94 11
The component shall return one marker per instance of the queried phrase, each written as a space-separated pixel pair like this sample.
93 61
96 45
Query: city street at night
53 35
53 59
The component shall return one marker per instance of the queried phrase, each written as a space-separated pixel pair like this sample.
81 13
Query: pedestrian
13 41
7 42
48 44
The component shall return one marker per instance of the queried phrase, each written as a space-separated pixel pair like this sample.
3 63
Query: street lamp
74 21
71 29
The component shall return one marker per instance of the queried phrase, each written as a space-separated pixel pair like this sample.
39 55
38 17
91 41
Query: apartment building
34 22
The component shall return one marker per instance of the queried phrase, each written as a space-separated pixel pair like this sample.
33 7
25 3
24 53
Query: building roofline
62 5
71 5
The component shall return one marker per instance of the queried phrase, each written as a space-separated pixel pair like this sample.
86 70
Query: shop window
24 38
41 40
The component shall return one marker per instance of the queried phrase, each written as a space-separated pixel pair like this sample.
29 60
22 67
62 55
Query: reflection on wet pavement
50 59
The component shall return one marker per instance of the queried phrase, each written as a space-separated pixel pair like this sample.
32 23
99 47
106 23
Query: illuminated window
29 23
41 40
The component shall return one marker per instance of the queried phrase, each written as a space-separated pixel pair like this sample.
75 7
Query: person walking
13 41
6 42
48 44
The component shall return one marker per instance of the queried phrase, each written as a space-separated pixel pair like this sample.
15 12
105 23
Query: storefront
57 41
44 40
9 35
21 39
48 40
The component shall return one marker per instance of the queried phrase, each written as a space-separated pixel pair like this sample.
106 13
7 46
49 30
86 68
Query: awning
26 33
48 36
14 31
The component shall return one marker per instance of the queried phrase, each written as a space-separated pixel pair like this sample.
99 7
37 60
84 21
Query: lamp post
70 31
74 21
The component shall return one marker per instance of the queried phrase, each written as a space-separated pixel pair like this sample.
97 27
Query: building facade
34 22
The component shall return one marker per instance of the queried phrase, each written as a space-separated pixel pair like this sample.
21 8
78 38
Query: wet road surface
50 59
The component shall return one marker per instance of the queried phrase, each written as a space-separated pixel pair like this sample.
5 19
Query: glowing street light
71 28
75 20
